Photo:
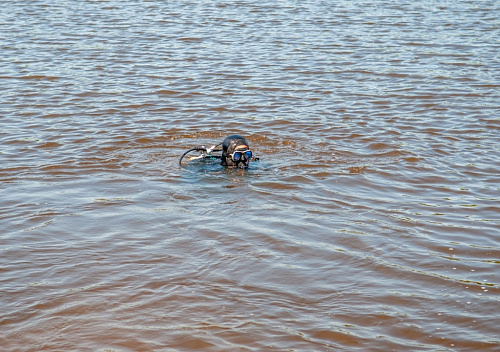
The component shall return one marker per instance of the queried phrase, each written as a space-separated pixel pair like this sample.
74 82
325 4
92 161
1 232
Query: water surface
371 222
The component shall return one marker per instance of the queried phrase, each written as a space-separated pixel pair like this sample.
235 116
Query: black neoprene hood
228 146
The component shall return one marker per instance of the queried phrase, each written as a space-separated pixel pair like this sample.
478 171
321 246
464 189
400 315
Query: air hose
206 153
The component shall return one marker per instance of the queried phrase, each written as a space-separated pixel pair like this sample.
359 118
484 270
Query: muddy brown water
370 223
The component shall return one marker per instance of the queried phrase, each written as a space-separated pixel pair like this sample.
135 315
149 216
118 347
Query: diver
236 153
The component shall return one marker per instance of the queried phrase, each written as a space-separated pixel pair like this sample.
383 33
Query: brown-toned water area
371 221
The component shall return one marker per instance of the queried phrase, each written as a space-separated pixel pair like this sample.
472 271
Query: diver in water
236 153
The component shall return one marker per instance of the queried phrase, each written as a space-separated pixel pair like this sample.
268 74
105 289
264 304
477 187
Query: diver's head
235 152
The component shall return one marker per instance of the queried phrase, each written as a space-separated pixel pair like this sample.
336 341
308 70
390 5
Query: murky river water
370 223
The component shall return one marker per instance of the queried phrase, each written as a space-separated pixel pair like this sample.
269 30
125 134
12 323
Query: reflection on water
370 222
